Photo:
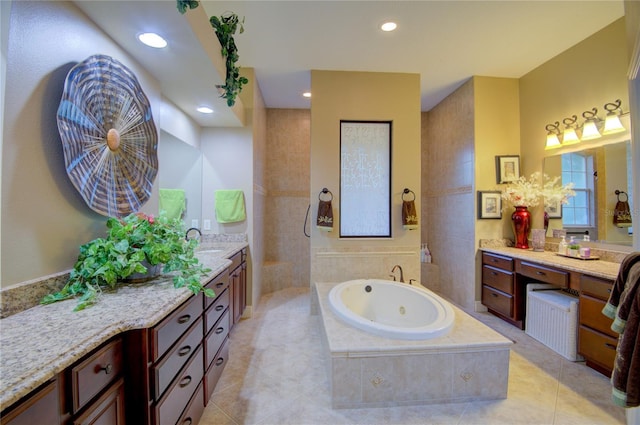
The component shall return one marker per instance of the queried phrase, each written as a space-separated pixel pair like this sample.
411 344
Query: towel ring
620 192
325 191
406 191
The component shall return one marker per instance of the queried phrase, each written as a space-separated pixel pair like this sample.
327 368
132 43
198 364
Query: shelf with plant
133 244
225 26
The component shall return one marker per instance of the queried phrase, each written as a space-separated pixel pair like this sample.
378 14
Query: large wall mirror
181 168
602 176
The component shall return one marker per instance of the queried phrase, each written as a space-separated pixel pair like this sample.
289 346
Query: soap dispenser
562 246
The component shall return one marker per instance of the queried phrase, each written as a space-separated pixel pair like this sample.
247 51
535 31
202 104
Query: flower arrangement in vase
523 193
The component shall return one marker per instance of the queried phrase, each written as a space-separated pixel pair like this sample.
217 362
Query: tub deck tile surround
470 363
38 343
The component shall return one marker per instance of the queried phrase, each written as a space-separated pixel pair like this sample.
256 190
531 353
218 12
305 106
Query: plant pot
152 272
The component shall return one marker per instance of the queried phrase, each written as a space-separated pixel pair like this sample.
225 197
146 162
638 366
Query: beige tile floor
276 375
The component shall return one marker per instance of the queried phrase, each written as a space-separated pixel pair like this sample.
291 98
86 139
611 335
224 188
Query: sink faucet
186 235
393 270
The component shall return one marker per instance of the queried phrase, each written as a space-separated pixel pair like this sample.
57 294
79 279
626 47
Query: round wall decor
109 139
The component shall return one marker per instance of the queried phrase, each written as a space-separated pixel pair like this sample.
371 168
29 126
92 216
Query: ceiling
446 42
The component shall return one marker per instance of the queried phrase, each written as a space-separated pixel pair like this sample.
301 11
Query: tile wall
287 183
448 197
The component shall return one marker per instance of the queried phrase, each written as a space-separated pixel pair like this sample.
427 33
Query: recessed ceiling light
205 110
306 94
152 39
388 26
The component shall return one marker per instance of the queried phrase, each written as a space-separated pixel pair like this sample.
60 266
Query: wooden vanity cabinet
238 284
41 406
499 289
596 341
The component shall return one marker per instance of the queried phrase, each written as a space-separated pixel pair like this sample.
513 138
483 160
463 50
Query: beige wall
288 175
587 75
339 95
44 219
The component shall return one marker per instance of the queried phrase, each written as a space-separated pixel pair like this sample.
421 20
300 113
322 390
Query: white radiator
552 319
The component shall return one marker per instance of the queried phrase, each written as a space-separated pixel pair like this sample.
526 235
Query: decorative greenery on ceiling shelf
225 27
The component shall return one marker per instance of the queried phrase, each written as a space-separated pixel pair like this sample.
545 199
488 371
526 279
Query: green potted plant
134 245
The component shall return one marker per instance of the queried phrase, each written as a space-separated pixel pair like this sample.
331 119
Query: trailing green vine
225 28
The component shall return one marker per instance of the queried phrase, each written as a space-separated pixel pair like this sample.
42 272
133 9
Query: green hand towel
172 202
230 206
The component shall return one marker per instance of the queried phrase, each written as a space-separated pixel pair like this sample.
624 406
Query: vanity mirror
180 167
597 171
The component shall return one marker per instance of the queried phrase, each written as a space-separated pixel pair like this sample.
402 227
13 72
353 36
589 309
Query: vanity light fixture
569 136
590 127
612 122
306 94
152 39
553 131
388 26
204 110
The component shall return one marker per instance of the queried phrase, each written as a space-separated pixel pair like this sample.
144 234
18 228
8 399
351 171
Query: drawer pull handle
611 346
184 319
107 369
219 330
539 273
219 284
184 350
494 295
219 361
494 273
495 260
609 290
187 421
219 307
185 381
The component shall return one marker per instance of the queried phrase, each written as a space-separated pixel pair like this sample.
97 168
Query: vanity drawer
596 287
215 338
215 370
194 410
544 274
95 373
591 315
597 347
504 263
497 301
216 311
236 260
168 367
168 410
218 284
496 278
167 332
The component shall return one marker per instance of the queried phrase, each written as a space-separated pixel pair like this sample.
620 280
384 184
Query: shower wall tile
287 186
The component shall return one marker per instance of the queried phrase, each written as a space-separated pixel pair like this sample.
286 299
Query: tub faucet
186 235
393 270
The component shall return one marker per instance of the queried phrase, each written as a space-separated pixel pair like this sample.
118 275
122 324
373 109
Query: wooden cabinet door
39 408
107 410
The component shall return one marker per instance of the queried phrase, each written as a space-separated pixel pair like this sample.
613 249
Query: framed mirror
365 179
597 173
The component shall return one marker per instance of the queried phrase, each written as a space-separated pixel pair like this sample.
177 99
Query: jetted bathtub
391 309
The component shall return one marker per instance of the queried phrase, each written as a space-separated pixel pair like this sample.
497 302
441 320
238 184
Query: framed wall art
489 204
553 208
507 168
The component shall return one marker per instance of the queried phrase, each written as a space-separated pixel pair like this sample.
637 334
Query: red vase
521 221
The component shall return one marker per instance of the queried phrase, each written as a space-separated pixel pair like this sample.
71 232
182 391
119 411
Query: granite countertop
38 343
598 268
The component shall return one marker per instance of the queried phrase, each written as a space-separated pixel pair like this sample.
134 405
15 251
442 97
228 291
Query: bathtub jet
392 310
